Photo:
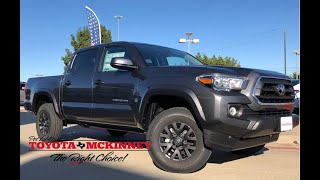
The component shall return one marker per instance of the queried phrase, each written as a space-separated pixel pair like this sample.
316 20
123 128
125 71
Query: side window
176 61
110 53
84 62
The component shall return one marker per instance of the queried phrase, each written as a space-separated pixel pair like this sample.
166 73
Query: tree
220 61
294 75
82 39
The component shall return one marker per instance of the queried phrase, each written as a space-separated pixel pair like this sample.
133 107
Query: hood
199 70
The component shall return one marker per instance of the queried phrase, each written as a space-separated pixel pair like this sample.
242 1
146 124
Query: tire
166 157
249 151
48 130
117 133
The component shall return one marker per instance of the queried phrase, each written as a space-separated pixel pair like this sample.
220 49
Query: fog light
232 111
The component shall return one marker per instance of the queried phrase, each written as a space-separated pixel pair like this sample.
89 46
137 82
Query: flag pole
97 20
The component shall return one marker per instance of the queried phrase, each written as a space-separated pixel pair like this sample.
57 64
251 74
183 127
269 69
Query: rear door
113 89
77 86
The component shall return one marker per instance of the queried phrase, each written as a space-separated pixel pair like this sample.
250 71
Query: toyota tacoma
185 108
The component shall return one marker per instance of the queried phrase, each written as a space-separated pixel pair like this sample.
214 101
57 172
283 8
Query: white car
296 87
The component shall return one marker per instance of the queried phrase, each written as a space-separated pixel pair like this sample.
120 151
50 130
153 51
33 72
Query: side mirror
122 63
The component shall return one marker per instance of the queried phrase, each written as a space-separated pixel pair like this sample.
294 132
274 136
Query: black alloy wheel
44 123
49 126
178 141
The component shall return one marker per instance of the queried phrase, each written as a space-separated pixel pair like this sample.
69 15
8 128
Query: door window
84 62
110 53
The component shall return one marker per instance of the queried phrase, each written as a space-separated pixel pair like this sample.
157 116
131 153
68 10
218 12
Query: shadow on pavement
27 118
220 157
23 149
45 168
75 132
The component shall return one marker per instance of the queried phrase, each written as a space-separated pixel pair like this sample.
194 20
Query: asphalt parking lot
278 160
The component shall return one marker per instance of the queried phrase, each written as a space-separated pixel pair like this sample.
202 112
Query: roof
119 42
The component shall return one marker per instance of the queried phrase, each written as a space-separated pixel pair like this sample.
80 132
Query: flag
94 27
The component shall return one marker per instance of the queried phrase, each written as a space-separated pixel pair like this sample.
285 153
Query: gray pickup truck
185 108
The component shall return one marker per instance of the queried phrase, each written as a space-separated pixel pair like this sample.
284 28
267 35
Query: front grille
247 112
266 90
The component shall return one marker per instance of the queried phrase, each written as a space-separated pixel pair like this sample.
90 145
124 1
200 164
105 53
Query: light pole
189 40
296 52
285 52
118 17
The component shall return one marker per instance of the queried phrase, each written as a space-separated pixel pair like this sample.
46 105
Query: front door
113 90
77 86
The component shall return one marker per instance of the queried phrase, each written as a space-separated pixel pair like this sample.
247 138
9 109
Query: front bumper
234 133
252 138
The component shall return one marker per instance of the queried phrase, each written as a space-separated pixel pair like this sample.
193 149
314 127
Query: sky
250 31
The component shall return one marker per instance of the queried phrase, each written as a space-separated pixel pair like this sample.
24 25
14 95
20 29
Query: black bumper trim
226 142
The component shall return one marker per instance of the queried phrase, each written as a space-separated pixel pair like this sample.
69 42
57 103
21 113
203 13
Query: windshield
162 56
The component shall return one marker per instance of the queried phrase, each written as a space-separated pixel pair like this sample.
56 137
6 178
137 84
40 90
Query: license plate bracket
286 123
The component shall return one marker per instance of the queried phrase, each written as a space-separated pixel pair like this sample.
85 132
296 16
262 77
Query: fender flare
173 90
48 94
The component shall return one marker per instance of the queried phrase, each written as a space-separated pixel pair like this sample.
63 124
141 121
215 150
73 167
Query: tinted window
84 61
110 53
162 56
176 61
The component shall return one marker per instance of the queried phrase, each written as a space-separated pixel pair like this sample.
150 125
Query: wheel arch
173 93
40 97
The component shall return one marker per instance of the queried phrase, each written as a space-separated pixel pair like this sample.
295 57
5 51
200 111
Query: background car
22 94
296 87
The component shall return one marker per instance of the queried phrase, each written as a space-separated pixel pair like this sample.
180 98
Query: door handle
67 83
98 82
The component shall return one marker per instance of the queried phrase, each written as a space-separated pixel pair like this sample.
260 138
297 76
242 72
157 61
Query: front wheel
177 142
249 151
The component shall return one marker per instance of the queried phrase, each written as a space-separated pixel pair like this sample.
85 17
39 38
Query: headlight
223 83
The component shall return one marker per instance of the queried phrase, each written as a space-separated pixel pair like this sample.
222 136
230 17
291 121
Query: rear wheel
117 133
49 126
249 151
177 142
